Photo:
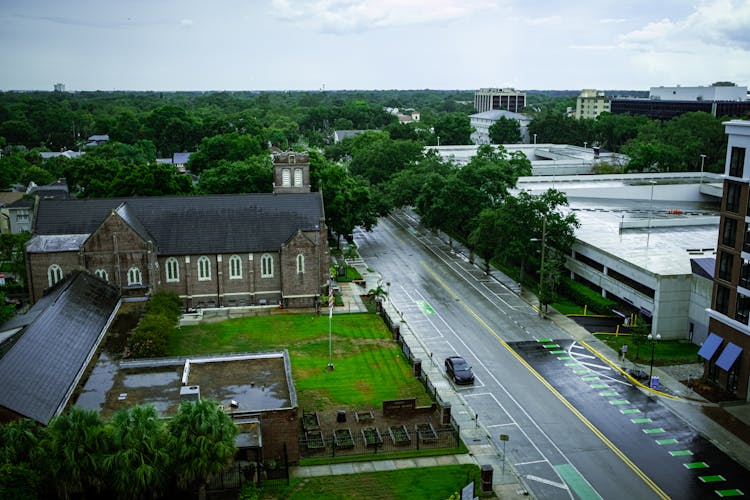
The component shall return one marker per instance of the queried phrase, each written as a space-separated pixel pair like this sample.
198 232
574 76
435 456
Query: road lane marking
538 479
577 482
609 444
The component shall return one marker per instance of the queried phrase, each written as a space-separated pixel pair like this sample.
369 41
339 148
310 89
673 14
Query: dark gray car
459 370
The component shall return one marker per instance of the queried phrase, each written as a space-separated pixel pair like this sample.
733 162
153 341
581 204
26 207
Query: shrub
166 304
148 344
581 294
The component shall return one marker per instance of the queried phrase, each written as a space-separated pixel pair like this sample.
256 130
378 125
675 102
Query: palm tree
201 443
138 463
73 449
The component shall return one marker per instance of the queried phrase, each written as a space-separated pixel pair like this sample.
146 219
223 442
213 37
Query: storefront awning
728 356
710 346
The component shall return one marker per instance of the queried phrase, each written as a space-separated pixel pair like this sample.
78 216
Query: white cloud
345 16
544 21
186 22
610 20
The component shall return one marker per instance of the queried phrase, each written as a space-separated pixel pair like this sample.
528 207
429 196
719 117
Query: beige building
590 104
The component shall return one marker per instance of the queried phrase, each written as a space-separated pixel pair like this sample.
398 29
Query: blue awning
710 346
728 356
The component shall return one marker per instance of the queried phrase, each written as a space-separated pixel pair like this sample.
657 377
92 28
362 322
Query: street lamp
541 266
585 144
703 159
653 339
534 138
650 213
438 139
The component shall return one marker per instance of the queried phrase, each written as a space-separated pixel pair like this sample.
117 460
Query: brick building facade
214 251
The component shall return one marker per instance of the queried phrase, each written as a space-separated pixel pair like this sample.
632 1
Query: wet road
684 464
559 450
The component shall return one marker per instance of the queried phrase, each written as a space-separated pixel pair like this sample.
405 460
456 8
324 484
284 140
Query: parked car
459 370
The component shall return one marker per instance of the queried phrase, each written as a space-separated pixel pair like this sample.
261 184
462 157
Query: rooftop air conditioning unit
190 393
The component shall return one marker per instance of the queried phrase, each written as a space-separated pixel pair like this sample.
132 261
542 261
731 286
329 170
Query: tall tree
505 131
138 464
235 146
453 129
201 444
253 175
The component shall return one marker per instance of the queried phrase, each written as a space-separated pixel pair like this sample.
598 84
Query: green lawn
424 483
666 352
369 366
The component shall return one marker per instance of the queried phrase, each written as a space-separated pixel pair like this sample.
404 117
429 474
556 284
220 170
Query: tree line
136 454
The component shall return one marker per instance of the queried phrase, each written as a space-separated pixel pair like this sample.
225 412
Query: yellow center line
609 444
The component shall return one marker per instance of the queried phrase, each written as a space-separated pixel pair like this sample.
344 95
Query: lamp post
585 144
541 266
534 138
438 139
653 339
703 159
650 213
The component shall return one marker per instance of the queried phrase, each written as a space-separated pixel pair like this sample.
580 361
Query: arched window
54 274
266 266
172 268
102 275
297 177
134 276
204 268
235 267
286 177
300 264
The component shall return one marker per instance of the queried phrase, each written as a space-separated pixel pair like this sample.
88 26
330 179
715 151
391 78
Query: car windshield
460 364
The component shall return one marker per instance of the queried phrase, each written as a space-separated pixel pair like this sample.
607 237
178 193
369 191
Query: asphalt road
564 438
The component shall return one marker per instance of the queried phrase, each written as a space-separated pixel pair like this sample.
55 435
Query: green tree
138 465
253 175
172 129
505 131
157 179
377 158
73 449
201 443
235 146
453 129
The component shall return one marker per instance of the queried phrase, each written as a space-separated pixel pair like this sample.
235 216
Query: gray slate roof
183 225
495 114
38 375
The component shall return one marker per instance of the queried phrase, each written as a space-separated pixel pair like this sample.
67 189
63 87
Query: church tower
291 172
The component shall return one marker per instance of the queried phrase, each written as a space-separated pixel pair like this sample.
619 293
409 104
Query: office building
590 104
508 99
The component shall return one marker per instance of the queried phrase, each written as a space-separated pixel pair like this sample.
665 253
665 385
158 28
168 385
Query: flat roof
241 382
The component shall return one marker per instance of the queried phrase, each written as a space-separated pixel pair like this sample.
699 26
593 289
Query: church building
213 251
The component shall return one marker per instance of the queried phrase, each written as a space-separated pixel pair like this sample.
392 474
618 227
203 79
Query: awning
710 346
728 356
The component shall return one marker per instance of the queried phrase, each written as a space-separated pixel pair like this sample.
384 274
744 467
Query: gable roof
39 373
182 225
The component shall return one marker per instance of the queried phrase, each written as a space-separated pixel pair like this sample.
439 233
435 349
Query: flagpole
330 321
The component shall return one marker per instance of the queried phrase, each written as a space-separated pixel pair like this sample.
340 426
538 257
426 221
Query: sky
372 44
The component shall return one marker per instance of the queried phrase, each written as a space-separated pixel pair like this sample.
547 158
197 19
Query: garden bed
342 438
364 416
314 440
426 432
310 421
399 435
372 437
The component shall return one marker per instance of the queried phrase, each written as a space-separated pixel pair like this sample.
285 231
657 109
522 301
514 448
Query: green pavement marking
576 482
641 420
729 493
564 358
599 386
590 378
560 351
696 465
630 411
425 307
551 346
608 394
619 402
662 442
542 341
581 371
655 430
711 479
681 453
572 363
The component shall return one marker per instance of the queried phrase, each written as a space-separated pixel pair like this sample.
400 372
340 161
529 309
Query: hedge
583 295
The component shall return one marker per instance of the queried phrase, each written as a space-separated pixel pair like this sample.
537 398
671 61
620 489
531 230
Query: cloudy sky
372 44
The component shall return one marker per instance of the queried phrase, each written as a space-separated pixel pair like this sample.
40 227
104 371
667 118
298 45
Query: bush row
159 322
583 295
